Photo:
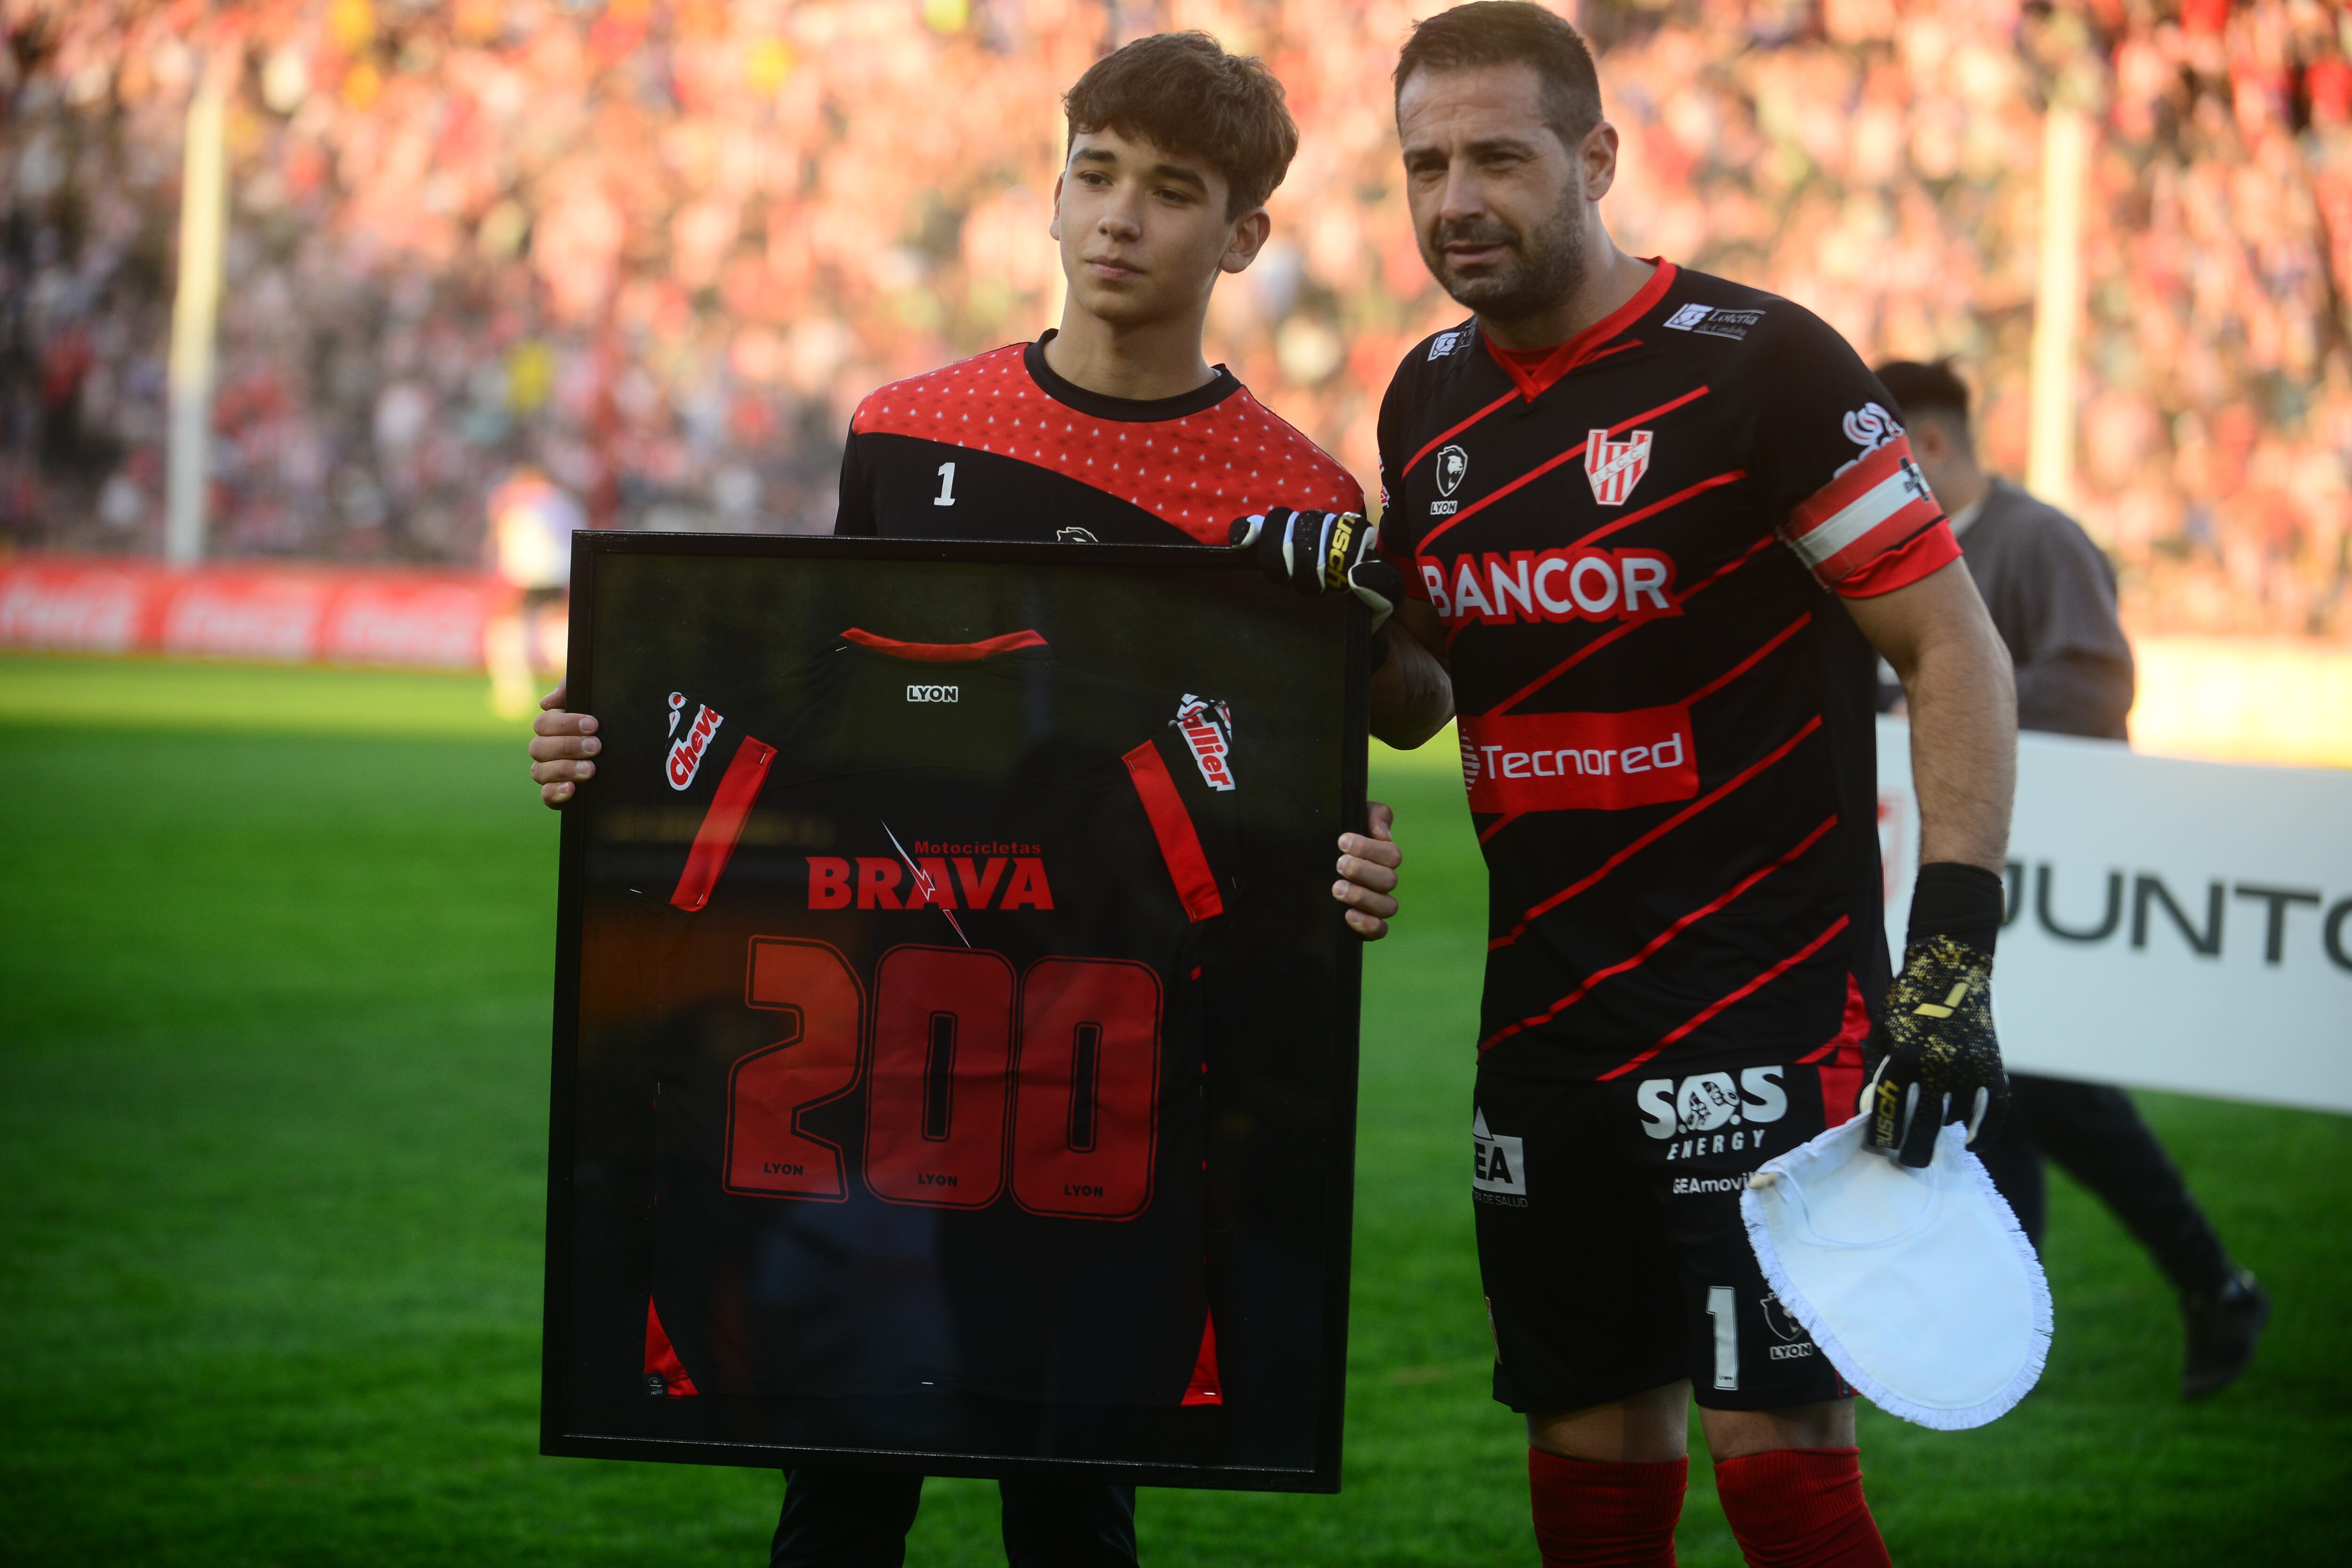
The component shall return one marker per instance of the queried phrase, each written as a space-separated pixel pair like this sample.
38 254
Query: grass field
275 949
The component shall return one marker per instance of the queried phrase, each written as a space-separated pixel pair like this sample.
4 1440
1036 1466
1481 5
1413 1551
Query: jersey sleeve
1398 538
855 513
1838 473
1186 778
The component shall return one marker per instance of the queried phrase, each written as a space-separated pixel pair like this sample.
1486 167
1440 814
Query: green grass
275 949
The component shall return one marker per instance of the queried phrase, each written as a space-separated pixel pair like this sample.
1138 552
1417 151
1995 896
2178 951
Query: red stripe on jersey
1205 1386
1584 347
1875 505
1650 949
722 825
1698 1018
661 1357
1585 883
1180 845
1621 627
1744 665
1443 437
1572 455
944 652
1926 554
1195 472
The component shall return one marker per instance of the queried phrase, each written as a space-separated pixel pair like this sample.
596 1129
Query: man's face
1144 232
1940 450
1501 207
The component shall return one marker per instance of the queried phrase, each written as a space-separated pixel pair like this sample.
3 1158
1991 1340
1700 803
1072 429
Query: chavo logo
1207 726
686 751
1706 1103
1615 468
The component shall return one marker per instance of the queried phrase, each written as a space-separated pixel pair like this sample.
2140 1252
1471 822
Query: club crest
1615 468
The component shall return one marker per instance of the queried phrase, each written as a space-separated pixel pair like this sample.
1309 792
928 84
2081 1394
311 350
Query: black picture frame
1280 1151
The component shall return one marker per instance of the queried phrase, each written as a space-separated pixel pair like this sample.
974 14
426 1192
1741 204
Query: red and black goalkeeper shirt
931 1112
1636 543
999 447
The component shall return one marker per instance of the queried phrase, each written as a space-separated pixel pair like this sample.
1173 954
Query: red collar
1534 380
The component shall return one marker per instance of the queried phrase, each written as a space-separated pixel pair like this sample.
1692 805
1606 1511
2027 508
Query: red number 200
1061 1085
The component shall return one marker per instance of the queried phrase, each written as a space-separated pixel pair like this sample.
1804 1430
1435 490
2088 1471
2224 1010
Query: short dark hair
1512 32
1927 391
1183 93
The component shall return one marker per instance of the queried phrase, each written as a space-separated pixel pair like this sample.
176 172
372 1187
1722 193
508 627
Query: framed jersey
955 1036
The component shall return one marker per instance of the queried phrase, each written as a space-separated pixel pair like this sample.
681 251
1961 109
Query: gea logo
934 694
1707 1100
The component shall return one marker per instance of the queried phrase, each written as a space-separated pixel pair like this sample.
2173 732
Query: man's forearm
1412 695
1963 711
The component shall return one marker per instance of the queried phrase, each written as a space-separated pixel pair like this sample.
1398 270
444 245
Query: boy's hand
1368 875
561 745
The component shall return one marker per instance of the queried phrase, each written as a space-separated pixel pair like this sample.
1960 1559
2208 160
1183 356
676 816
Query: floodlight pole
204 192
2057 307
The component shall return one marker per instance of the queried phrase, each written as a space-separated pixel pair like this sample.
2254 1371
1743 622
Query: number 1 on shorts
1722 1307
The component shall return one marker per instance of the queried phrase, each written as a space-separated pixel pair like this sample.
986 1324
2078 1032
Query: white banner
2171 924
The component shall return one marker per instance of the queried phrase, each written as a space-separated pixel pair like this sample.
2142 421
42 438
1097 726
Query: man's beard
1537 271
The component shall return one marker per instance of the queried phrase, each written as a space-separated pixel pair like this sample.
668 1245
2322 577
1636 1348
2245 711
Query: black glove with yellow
1935 1058
1326 551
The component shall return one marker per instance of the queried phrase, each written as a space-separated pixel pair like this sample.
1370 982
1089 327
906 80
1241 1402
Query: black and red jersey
1000 446
1636 543
931 1106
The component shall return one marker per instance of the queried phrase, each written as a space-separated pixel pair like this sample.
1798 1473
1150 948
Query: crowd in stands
657 249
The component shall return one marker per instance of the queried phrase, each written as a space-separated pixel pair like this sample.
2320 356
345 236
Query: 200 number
1053 1081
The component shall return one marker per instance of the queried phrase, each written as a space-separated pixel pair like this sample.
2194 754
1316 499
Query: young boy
1113 429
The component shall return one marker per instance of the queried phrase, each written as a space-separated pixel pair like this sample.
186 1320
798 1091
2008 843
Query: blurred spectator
531 521
659 248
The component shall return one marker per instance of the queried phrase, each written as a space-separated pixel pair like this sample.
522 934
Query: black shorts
1610 1237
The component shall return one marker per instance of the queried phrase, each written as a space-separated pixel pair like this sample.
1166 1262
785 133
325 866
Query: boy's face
1143 232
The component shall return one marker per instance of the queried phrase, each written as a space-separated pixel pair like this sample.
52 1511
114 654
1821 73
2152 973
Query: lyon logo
1207 726
1615 467
686 752
1453 463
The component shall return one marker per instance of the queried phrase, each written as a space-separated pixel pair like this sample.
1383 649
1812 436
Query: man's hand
1323 552
1368 875
561 745
1936 1060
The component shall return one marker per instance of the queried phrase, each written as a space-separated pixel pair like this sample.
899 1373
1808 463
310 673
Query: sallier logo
685 752
1207 726
1615 468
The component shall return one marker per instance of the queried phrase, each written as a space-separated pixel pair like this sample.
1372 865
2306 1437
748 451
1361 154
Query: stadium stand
659 250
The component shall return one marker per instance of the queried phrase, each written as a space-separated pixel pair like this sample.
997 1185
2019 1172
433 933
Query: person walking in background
2053 597
531 519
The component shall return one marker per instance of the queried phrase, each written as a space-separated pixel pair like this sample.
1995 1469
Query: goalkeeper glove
1325 552
1935 1058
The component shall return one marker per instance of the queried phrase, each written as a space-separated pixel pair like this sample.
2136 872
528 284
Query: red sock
1800 1508
1593 1514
